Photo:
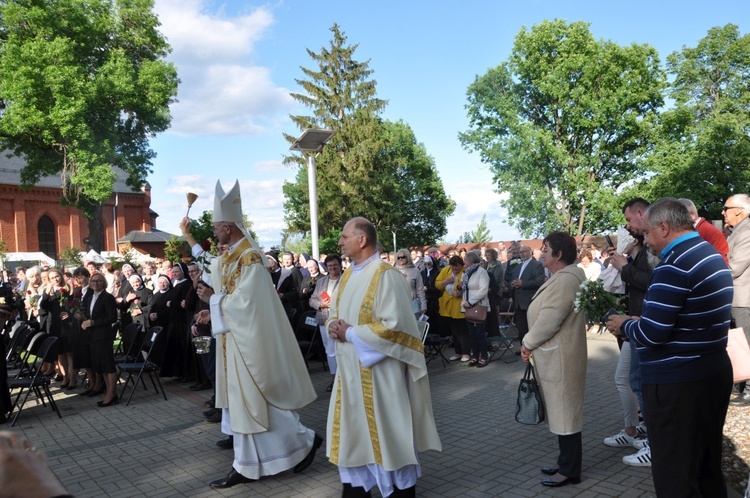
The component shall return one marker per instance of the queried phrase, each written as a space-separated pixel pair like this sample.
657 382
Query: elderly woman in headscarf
158 315
405 265
137 301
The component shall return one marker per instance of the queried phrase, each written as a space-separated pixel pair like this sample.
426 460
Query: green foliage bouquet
595 302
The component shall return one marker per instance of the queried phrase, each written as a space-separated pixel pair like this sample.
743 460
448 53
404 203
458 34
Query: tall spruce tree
371 167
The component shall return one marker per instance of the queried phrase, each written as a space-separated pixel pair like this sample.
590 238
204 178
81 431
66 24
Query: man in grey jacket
736 212
527 277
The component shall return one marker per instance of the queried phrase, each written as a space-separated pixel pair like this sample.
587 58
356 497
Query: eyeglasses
726 208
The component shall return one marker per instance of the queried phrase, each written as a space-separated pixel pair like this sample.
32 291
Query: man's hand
614 325
337 330
617 260
203 317
185 225
204 292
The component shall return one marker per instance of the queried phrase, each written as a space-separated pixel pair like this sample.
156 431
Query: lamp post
311 143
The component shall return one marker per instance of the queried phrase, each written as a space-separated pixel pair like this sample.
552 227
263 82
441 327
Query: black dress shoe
550 471
96 393
211 412
214 418
86 392
556 484
113 401
226 444
232 479
201 387
310 456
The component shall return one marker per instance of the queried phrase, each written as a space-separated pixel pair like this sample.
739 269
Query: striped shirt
682 333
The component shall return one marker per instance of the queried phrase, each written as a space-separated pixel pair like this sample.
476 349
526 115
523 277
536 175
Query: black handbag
529 405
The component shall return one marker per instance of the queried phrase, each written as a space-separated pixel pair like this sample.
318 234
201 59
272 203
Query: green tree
371 167
71 256
83 87
202 229
482 232
174 249
704 147
563 124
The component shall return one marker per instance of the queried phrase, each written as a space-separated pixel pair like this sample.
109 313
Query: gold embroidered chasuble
380 415
258 362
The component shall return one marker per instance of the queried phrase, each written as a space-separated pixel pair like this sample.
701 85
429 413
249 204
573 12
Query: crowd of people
685 282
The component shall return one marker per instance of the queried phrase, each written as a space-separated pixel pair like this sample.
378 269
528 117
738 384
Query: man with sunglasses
736 211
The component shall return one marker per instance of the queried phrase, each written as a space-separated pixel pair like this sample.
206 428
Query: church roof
10 174
140 236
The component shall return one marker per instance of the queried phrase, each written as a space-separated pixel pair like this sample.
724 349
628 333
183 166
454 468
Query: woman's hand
136 312
525 354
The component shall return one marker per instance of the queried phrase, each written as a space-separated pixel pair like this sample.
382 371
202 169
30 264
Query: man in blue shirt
681 339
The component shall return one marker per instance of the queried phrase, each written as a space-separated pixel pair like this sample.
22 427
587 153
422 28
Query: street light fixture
311 143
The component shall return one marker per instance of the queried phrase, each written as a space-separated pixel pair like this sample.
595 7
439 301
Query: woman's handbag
529 405
476 314
739 354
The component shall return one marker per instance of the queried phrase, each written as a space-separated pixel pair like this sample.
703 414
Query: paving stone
155 448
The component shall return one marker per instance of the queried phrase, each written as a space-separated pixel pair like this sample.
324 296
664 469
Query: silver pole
313 189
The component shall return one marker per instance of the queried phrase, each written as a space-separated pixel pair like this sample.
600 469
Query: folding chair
28 358
308 338
435 346
153 354
424 328
14 334
132 341
501 341
37 382
19 341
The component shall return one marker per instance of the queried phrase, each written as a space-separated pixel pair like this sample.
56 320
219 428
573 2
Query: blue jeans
478 338
635 378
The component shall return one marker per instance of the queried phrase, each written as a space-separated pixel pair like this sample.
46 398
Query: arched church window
47 242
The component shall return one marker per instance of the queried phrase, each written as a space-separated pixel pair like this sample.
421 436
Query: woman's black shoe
556 484
113 401
550 471
96 393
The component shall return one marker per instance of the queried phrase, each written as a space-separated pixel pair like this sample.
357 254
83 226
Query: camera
9 298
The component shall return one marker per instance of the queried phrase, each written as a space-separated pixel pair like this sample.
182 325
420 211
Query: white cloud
221 91
262 201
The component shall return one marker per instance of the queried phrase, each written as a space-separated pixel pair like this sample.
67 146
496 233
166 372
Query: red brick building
33 220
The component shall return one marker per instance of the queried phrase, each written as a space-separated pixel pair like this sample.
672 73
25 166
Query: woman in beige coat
557 342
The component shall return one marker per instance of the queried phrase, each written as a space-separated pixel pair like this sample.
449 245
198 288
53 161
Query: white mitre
228 209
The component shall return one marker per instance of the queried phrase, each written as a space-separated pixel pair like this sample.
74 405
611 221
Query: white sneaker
465 359
639 444
455 357
640 459
641 429
621 439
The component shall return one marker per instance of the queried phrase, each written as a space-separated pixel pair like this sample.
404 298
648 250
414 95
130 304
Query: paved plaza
158 448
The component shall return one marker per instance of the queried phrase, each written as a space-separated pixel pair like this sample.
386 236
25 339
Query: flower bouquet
595 302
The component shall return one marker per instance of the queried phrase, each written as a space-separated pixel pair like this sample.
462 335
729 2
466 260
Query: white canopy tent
29 257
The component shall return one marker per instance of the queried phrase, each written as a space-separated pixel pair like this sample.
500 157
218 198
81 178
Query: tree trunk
96 229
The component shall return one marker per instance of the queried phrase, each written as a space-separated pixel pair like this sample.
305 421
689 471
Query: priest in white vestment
261 377
380 416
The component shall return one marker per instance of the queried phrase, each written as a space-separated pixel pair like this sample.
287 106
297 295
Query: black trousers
685 427
522 323
571 455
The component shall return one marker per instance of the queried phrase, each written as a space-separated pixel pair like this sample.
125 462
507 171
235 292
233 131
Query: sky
238 62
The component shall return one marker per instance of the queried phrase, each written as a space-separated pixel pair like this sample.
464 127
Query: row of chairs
28 350
498 341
